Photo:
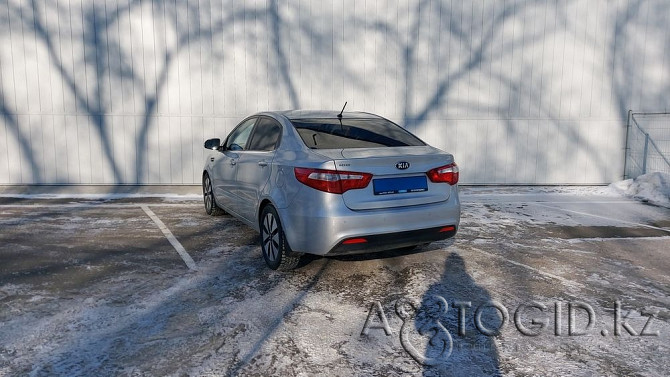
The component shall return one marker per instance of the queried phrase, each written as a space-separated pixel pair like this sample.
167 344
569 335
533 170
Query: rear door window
266 135
333 133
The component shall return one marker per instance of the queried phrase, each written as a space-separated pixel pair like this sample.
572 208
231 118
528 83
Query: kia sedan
324 183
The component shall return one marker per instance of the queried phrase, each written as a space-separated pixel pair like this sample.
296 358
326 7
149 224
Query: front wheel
211 207
276 251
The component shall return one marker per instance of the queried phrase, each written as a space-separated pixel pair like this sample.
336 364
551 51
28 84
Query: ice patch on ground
652 187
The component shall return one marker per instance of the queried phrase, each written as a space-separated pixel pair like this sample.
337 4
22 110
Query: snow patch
652 187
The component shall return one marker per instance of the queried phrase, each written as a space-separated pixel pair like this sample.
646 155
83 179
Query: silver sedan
324 183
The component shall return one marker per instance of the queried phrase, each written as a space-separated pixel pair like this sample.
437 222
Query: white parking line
471 199
547 274
170 237
606 239
602 217
94 205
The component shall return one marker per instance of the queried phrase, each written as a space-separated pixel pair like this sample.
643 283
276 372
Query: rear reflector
446 173
352 241
333 181
447 229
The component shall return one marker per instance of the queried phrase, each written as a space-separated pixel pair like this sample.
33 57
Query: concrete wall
125 91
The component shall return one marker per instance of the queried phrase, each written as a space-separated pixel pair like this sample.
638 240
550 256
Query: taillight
446 173
333 181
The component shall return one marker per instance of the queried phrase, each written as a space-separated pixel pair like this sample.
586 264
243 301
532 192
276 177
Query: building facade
521 92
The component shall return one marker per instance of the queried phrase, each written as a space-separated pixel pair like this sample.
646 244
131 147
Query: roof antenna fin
340 114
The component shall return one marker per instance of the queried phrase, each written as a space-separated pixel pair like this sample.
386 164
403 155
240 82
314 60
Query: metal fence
647 144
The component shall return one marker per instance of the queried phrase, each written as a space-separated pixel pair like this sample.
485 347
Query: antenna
340 114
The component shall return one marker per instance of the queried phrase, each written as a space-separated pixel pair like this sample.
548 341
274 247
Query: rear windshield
330 133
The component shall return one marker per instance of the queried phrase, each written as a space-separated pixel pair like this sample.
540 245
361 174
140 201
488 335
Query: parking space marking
94 205
602 217
543 273
487 200
171 238
605 239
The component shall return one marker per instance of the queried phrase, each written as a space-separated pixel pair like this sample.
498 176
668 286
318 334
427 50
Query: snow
652 187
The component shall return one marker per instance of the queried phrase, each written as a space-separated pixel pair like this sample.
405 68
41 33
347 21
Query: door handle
233 162
262 164
211 159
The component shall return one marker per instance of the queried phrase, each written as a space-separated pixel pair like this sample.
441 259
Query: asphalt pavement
538 281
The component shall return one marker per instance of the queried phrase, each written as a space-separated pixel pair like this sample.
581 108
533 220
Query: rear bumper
319 223
381 242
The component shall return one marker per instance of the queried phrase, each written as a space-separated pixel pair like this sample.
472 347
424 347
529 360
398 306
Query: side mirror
213 144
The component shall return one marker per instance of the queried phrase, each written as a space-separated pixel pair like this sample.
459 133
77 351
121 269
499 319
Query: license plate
387 186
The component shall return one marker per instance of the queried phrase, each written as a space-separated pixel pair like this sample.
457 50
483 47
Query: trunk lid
392 186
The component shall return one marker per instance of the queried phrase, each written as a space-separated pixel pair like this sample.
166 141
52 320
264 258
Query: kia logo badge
402 165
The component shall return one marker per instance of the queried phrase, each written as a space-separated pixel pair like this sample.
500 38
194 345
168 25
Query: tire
276 251
211 207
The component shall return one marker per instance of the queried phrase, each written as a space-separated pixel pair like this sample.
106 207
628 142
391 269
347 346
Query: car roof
306 114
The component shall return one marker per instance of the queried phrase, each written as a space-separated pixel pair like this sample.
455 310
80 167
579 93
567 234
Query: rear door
255 164
225 167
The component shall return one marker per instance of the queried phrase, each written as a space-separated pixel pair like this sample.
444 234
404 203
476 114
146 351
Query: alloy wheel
270 237
207 190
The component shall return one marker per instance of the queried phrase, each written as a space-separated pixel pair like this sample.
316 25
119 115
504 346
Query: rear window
331 133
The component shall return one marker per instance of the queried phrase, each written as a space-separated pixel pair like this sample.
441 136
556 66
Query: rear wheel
211 207
276 251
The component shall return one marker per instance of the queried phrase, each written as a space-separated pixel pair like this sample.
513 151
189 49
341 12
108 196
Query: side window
266 135
237 141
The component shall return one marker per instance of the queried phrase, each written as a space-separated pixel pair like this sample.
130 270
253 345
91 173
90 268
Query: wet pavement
95 287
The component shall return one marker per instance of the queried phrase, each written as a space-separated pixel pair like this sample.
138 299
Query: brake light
333 181
446 173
